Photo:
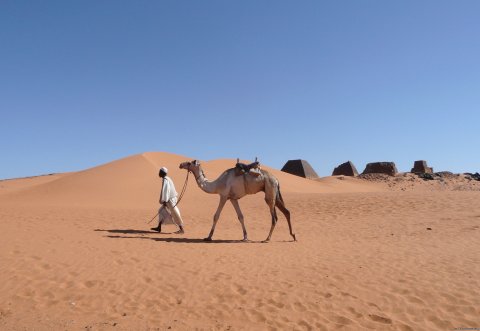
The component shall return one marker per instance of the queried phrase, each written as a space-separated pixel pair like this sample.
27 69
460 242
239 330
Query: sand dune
133 182
16 184
77 254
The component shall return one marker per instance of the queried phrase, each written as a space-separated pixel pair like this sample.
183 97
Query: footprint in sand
27 292
257 316
275 303
51 303
4 313
380 319
92 283
440 324
221 276
147 279
48 295
298 306
416 300
240 289
305 325
404 327
119 262
354 312
342 320
371 304
345 294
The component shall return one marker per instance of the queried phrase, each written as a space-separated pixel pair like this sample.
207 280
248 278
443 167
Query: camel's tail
279 193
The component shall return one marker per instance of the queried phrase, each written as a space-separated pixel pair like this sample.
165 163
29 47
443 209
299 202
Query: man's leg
159 227
176 216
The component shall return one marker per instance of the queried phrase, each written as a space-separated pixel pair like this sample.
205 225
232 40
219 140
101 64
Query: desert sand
76 253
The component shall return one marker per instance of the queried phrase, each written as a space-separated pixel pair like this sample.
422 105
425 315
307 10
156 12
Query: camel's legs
240 218
271 205
281 205
223 200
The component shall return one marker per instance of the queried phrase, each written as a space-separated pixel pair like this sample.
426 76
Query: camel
232 186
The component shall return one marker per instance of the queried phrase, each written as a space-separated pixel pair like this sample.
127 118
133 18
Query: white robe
170 214
164 216
168 190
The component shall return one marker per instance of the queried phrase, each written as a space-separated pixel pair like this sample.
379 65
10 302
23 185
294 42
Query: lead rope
158 212
183 190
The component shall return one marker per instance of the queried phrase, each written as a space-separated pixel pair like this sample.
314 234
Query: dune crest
132 182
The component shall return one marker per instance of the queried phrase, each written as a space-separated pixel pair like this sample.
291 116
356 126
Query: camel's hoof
294 237
207 239
245 240
266 241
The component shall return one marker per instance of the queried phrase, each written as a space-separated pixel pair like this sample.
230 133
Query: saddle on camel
252 168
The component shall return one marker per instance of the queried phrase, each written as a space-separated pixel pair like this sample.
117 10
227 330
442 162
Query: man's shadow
132 231
142 234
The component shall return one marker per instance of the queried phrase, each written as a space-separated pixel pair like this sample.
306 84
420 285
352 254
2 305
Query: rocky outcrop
345 169
445 174
426 176
475 176
388 168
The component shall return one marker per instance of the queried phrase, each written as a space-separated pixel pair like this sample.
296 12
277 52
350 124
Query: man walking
168 198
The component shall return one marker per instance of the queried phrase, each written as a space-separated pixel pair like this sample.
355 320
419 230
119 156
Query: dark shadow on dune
182 240
132 231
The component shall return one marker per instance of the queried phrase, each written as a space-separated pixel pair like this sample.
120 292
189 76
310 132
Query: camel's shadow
142 234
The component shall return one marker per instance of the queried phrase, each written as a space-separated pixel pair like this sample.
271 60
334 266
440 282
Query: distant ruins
420 167
388 168
345 169
300 168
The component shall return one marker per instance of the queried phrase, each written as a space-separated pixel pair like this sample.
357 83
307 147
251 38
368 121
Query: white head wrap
165 170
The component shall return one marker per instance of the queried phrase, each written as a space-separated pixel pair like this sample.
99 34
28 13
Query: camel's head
190 166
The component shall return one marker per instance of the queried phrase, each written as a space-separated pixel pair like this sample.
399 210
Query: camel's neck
205 184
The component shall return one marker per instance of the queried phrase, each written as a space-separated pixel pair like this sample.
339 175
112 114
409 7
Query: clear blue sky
86 82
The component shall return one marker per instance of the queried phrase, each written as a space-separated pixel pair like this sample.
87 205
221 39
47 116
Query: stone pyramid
300 168
345 169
